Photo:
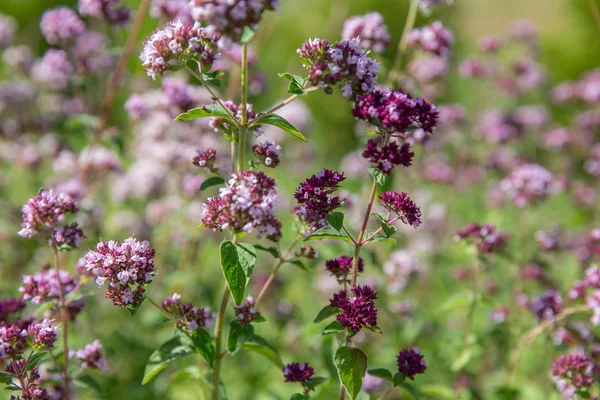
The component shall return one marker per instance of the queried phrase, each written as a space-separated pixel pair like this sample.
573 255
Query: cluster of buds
403 206
227 127
267 153
396 111
126 267
205 159
357 311
388 156
177 43
573 372
344 63
246 204
247 312
340 267
486 237
188 316
297 372
370 29
411 362
66 237
316 200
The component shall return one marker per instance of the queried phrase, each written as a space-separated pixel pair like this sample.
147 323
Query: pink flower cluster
108 10
396 111
370 29
188 316
247 312
90 356
344 63
177 43
340 267
60 25
432 38
44 286
267 153
14 337
205 159
245 204
42 212
589 290
527 184
229 18
223 125
403 206
126 267
573 372
486 237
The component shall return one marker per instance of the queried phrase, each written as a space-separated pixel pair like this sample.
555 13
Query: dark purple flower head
573 372
246 204
109 10
205 159
396 111
60 25
433 38
388 156
66 237
10 306
126 267
90 356
43 211
344 64
177 43
546 306
267 153
229 18
588 247
340 267
315 196
370 29
358 310
403 206
411 362
188 316
486 237
247 312
296 372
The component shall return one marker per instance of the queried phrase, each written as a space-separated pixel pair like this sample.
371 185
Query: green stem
472 306
64 316
244 124
280 105
218 340
408 26
282 260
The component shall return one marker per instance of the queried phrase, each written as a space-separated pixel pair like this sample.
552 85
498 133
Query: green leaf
238 335
325 313
271 250
299 396
408 389
296 83
316 381
237 262
35 360
398 379
351 364
382 373
258 319
212 78
202 343
134 307
5 378
259 345
247 35
380 237
375 329
463 359
328 232
172 350
334 327
442 392
377 175
298 263
88 381
211 110
210 182
335 219
280 122
387 229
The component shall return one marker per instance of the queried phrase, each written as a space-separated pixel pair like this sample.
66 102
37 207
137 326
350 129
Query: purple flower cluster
396 111
42 212
546 306
486 237
297 372
340 267
205 159
109 10
589 246
344 63
188 316
587 89
370 29
246 204
223 125
60 25
44 286
177 43
247 312
388 156
66 237
14 337
527 184
127 267
10 306
170 10
229 18
403 206
267 153
357 311
589 289
90 356
42 334
573 372
433 38
426 5
8 26
316 200
54 69
411 362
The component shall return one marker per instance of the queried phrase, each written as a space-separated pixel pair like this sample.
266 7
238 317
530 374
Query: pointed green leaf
399 379
211 110
328 232
259 345
325 313
238 335
237 262
351 364
247 35
280 122
212 78
408 389
35 360
210 182
247 258
271 250
134 307
298 263
334 327
202 342
170 351
382 373
299 396
335 219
